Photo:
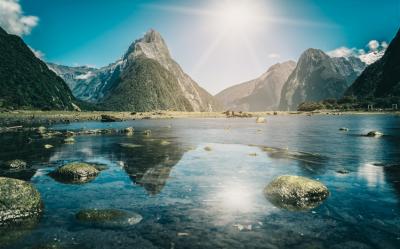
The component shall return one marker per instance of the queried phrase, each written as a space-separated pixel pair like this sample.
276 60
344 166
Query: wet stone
18 200
75 173
296 193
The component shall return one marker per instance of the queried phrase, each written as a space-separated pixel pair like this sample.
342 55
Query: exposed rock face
260 94
146 78
18 200
317 77
25 81
382 78
296 192
88 84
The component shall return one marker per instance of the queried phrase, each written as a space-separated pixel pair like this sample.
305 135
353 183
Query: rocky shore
14 120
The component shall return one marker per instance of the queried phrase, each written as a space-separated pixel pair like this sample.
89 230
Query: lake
190 197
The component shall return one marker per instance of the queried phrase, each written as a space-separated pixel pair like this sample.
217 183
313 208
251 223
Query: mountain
317 77
260 94
87 83
146 73
382 78
25 81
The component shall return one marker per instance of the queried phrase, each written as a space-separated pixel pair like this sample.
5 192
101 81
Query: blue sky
98 32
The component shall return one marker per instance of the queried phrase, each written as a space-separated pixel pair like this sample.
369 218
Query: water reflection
373 174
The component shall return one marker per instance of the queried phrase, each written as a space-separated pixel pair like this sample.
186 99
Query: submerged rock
130 146
295 192
342 171
18 200
108 217
374 134
48 146
12 232
50 134
75 173
109 118
41 130
15 164
165 142
207 148
128 131
260 120
69 140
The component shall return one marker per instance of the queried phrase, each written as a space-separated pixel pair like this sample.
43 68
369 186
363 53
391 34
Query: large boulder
108 217
296 192
18 200
75 172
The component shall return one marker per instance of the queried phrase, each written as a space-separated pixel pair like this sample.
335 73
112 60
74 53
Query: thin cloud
13 20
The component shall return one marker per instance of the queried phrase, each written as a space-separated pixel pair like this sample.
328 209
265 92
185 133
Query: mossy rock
108 217
18 200
296 192
76 172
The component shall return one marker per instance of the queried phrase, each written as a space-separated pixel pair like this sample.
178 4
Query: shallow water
193 198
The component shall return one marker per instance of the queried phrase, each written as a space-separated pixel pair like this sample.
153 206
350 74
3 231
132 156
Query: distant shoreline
24 117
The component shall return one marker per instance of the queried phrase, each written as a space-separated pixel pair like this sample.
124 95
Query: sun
237 15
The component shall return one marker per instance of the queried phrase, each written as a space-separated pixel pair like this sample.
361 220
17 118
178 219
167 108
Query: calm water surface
193 198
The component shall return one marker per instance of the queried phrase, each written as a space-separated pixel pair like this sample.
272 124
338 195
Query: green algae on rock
75 172
18 200
296 193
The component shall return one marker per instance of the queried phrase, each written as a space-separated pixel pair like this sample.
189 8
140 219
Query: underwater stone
108 217
260 120
69 140
296 192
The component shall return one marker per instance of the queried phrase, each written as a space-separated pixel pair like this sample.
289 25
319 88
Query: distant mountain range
317 77
260 94
26 82
382 78
284 86
146 78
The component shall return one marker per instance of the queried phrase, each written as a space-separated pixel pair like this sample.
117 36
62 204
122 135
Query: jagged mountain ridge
260 94
97 86
382 78
317 77
26 81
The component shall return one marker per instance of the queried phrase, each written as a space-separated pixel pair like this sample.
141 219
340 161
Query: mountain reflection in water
190 197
